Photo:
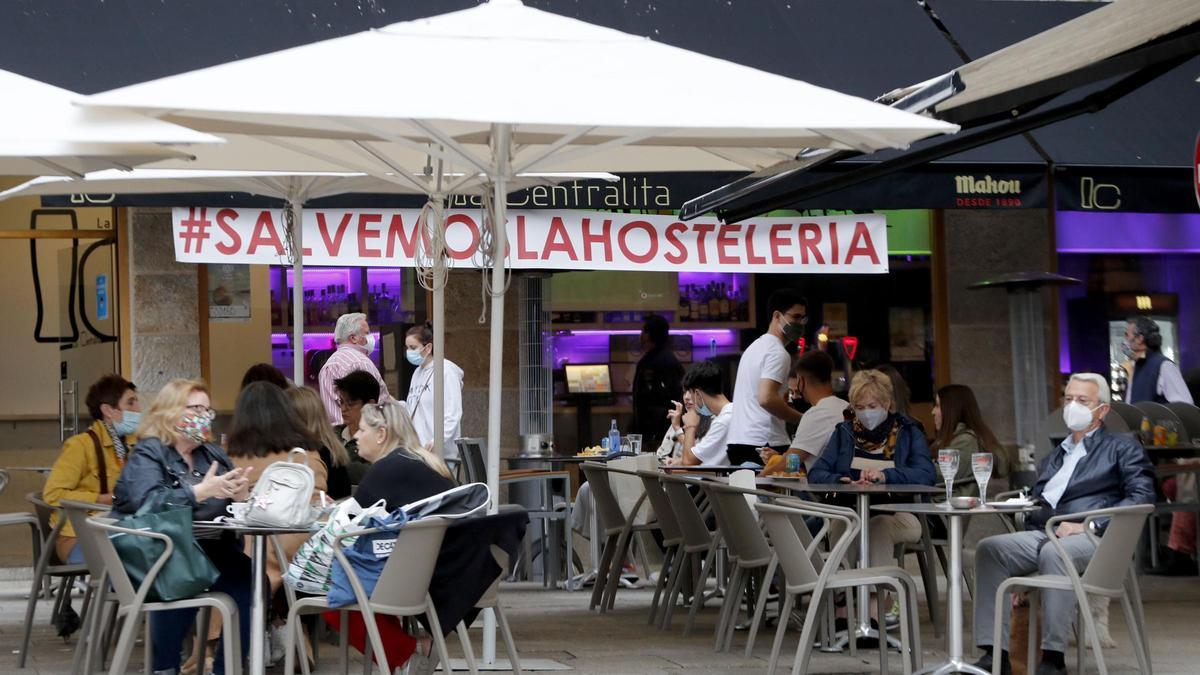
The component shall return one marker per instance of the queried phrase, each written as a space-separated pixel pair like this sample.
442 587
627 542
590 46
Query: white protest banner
574 240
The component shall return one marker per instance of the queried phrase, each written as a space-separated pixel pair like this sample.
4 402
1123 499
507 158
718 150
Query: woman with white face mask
878 445
418 350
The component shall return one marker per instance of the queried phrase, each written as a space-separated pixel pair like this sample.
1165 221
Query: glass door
86 308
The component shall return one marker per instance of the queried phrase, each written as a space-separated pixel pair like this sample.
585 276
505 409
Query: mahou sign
542 240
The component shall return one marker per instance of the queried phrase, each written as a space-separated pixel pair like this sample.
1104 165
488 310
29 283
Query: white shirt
816 427
1057 485
420 406
711 448
764 359
1170 384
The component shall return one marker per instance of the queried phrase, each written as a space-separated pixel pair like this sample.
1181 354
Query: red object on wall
850 346
800 344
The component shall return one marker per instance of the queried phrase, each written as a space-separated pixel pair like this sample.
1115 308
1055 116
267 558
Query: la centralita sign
542 239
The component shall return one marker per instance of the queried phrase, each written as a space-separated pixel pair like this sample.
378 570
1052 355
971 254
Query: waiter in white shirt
418 350
761 411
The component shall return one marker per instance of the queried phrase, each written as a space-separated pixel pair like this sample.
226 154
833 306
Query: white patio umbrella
42 131
501 89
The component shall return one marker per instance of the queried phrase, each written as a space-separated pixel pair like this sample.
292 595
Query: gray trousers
1010 555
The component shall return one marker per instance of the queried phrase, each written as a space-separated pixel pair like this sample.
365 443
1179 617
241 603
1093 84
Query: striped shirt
347 359
870 459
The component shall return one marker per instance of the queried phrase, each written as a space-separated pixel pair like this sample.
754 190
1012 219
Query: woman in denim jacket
174 463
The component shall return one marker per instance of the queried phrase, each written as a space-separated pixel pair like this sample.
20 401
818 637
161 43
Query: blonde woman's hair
393 417
160 419
312 413
872 383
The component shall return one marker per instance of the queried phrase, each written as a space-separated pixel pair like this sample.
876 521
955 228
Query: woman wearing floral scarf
878 445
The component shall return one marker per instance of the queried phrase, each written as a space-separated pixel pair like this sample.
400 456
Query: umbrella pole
502 134
297 292
439 338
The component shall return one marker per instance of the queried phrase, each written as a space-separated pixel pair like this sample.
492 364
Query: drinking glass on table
626 444
981 466
948 465
635 443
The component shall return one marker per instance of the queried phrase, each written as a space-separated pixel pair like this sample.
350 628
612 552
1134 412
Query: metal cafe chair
48 566
785 521
699 545
617 528
491 599
22 518
554 523
132 600
98 602
1108 573
402 591
674 557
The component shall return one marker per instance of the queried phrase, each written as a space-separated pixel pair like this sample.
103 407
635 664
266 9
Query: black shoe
1177 565
985 663
67 622
1050 669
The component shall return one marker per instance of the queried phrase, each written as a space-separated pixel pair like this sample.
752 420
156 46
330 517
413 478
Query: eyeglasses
341 403
201 408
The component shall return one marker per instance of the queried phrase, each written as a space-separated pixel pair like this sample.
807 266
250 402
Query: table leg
954 610
864 630
258 606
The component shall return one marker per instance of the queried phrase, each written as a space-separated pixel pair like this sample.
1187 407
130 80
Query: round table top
850 488
942 508
252 529
565 459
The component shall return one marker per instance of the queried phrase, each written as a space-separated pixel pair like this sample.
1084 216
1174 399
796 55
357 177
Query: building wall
980 245
164 304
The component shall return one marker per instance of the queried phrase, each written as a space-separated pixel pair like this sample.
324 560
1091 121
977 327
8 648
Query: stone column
979 245
467 345
164 304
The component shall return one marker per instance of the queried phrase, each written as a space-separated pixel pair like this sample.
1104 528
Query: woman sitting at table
175 462
402 471
311 410
960 426
877 445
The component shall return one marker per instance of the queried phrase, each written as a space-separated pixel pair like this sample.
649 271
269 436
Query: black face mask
800 405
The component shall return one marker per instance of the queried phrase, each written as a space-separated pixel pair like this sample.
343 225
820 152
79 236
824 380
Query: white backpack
282 497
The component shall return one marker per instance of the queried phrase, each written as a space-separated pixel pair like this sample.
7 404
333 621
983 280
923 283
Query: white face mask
1078 416
370 346
871 417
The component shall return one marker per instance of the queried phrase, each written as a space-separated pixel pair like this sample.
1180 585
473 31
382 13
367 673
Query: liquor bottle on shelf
276 311
385 305
714 304
724 303
682 314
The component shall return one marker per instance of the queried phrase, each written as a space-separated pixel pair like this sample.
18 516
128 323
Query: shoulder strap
100 461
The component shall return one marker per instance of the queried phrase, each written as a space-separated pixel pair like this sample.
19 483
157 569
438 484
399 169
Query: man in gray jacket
1092 469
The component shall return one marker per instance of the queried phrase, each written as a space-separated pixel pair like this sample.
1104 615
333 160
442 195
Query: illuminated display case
386 295
721 300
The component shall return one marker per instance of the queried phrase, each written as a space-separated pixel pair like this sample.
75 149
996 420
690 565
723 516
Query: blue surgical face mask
128 423
703 410
414 356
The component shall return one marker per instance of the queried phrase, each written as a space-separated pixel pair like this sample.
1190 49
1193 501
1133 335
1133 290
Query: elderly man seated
1092 469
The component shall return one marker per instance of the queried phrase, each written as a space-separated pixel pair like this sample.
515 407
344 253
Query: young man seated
1092 469
703 383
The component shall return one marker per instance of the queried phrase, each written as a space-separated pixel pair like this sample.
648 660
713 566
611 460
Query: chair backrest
622 476
42 509
1158 412
738 525
1109 565
1054 429
404 581
77 514
1189 415
687 514
607 506
798 555
661 503
99 529
3 480
1132 415
473 458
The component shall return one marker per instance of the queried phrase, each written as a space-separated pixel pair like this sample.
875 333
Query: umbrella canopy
556 80
42 131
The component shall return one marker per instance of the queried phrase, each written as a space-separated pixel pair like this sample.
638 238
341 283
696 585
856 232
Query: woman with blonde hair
402 470
878 445
311 410
176 462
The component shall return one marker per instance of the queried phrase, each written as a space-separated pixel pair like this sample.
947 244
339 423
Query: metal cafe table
954 607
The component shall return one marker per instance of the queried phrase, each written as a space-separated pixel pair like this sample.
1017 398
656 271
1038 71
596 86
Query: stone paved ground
556 625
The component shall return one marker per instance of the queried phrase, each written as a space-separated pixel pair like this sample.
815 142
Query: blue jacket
156 471
913 465
1114 472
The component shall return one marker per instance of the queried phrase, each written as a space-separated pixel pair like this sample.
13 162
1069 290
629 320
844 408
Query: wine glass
981 466
948 464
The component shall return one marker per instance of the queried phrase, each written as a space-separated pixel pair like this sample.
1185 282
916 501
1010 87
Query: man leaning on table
1092 469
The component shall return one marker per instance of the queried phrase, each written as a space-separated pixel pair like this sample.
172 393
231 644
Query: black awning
1132 124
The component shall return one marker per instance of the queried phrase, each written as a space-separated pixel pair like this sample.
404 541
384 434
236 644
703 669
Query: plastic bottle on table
614 437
